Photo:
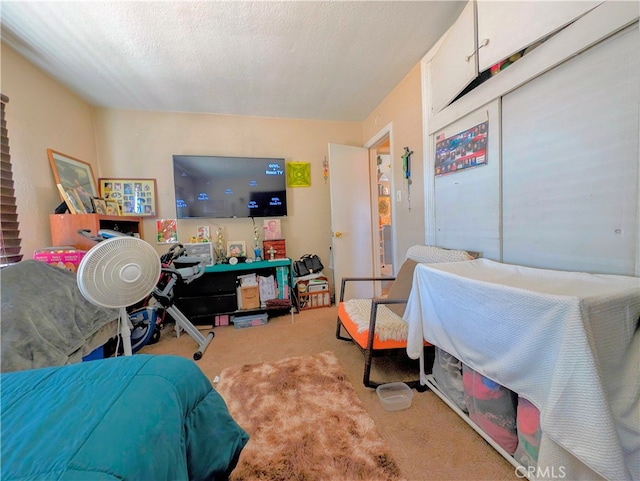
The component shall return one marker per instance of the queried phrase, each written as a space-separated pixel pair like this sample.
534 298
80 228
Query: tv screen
223 187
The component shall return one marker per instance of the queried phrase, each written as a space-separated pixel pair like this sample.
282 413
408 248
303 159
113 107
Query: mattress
127 418
566 341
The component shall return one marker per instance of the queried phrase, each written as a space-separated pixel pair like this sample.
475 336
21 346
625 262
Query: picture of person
272 229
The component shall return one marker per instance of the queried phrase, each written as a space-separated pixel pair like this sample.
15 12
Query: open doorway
384 213
382 210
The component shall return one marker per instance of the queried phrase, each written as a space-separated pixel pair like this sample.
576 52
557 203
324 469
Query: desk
566 341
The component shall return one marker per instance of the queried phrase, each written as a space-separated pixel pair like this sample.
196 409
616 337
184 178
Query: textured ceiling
309 60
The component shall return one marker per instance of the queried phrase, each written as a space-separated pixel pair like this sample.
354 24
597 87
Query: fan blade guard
118 272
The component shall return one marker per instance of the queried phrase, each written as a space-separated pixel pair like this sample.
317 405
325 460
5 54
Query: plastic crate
240 322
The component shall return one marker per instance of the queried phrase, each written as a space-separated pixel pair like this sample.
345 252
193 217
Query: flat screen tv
223 187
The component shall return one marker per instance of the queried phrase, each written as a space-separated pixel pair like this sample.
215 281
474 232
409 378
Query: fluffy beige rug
305 422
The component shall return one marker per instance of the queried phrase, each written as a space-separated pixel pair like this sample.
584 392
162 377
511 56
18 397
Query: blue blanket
128 418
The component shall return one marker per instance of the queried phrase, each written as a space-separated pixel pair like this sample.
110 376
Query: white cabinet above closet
487 32
509 27
455 64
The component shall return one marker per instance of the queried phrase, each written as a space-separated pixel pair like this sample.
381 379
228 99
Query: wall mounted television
226 187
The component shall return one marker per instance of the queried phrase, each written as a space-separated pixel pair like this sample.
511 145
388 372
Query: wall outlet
398 196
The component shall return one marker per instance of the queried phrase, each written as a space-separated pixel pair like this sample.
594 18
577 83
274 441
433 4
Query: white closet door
570 163
467 202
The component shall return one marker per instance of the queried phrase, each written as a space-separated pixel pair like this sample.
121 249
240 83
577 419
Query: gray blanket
45 319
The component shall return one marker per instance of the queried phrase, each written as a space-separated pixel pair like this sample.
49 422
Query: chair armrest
375 302
361 279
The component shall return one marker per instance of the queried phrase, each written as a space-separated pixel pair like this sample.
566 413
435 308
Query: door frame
378 138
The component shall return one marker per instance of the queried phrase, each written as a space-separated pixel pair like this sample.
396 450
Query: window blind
9 226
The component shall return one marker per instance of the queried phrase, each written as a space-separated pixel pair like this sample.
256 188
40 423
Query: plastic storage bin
395 396
249 321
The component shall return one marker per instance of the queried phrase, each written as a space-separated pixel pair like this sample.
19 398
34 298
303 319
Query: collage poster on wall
463 150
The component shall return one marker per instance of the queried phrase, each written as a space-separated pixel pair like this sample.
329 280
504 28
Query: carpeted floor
428 441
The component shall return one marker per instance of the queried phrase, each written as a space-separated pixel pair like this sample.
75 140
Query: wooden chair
375 325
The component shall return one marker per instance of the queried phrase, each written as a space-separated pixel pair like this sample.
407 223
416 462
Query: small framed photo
204 233
167 230
99 205
236 248
71 198
113 208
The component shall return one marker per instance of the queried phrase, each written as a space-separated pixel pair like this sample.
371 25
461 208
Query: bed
568 342
45 320
127 418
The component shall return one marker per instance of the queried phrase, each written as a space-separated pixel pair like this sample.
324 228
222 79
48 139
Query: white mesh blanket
562 340
389 326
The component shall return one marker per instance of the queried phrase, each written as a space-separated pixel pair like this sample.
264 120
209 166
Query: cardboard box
64 257
249 297
278 246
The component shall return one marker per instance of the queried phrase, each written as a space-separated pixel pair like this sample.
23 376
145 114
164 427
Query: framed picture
167 231
201 249
135 196
74 204
99 205
272 229
113 208
236 248
76 175
203 233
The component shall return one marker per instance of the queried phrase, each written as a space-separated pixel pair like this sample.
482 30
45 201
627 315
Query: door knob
338 234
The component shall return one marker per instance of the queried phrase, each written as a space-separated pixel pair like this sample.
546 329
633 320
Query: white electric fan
117 273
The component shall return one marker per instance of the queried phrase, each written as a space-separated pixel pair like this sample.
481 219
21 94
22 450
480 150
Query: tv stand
215 292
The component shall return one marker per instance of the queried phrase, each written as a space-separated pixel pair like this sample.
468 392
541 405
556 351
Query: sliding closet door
570 163
467 200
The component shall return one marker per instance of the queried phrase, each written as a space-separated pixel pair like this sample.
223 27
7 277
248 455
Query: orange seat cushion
360 338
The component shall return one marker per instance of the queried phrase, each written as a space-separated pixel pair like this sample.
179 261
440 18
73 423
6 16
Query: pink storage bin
529 433
492 407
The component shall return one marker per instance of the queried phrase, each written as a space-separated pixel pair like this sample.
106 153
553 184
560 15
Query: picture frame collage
135 197
113 197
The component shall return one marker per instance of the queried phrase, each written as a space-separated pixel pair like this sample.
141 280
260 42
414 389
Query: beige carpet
428 441
305 422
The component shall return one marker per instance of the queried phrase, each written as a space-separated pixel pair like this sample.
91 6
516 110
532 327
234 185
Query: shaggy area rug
305 422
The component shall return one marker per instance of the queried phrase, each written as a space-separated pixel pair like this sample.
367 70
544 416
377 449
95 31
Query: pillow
401 287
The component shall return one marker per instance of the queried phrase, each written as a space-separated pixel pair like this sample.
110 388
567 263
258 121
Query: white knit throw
388 324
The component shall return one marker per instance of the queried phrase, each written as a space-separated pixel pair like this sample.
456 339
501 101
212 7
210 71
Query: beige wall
141 144
41 114
402 108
